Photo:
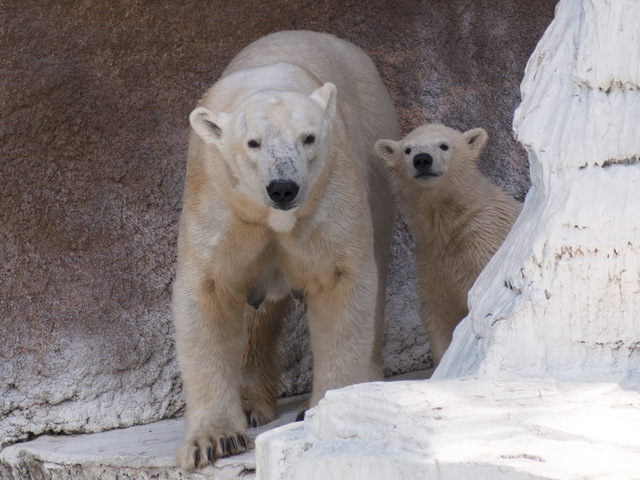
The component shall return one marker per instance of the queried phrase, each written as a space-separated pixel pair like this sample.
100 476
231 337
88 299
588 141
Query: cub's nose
282 193
423 162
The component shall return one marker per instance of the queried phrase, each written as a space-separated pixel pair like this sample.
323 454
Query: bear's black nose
422 162
282 193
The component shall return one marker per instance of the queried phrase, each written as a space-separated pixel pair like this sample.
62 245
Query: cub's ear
208 125
386 151
325 96
476 139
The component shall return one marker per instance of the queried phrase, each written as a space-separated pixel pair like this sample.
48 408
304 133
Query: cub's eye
309 139
444 147
407 151
253 144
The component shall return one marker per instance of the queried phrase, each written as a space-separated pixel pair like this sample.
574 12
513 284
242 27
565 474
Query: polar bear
457 216
284 200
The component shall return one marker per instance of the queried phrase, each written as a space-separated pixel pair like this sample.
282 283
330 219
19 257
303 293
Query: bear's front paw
259 411
198 451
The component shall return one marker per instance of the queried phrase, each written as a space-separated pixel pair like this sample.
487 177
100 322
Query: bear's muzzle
283 193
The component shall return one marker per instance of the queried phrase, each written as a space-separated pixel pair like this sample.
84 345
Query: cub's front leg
209 340
442 305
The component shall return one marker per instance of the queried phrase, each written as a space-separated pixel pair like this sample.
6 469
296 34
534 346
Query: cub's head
274 145
430 153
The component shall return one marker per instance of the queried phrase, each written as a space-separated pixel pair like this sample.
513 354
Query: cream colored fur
458 217
308 107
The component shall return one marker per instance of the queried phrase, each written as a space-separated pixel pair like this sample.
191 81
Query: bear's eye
253 144
309 139
444 147
407 151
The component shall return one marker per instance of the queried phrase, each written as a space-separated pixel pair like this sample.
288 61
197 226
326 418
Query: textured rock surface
139 452
94 99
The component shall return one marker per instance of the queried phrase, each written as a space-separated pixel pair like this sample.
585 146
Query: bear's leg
260 362
383 215
343 330
209 340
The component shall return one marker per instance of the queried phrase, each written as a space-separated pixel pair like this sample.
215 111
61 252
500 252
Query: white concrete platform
460 429
140 452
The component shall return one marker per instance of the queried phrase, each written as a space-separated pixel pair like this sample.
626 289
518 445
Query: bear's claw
205 452
258 417
224 446
253 421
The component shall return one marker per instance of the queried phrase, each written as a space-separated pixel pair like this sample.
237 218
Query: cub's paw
198 451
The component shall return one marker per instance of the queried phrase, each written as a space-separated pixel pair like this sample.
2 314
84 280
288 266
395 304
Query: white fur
281 221
298 107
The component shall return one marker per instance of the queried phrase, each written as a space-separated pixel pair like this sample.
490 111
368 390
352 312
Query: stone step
140 452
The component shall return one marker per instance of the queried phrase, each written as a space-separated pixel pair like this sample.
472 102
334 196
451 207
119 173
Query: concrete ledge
458 429
141 452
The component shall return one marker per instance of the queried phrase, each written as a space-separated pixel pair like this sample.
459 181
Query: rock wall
93 131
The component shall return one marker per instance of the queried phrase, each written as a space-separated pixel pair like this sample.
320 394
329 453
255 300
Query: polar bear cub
458 217
284 200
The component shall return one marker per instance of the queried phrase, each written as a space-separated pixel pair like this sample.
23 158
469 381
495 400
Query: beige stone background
94 104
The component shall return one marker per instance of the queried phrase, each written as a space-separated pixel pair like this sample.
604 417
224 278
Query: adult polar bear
283 198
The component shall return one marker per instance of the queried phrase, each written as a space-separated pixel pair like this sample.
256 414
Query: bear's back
301 61
326 57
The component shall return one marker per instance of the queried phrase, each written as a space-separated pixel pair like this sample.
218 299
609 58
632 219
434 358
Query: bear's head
430 153
274 144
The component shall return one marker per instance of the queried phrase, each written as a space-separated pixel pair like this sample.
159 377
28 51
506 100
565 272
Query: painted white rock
464 428
562 295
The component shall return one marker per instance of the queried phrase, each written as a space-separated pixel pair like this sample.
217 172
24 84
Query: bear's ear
325 96
207 124
476 139
386 151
